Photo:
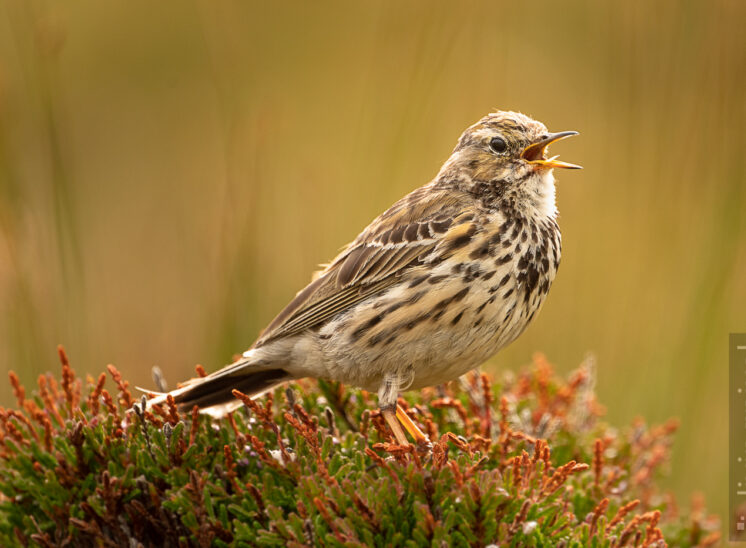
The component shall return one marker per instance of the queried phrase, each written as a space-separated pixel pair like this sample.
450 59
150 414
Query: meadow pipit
438 283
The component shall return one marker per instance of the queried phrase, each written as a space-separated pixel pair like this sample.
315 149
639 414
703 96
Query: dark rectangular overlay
737 451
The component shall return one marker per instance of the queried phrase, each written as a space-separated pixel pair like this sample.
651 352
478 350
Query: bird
434 286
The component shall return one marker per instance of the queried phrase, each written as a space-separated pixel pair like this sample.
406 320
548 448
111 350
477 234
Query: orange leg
390 417
387 395
411 427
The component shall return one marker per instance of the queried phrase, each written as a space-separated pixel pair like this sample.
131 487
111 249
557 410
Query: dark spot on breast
443 303
394 307
452 299
416 297
471 272
488 275
437 279
377 338
375 320
411 324
500 283
524 236
460 295
457 268
504 259
480 251
478 322
418 280
508 293
509 313
532 278
456 319
325 337
529 278
544 287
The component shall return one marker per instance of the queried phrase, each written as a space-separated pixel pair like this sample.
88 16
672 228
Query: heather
522 460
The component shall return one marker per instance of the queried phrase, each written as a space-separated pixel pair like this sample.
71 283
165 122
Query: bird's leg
387 396
390 416
395 415
418 435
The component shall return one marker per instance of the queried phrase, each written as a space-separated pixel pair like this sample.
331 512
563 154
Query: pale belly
445 328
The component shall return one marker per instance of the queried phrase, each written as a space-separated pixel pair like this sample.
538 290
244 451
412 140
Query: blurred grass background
172 172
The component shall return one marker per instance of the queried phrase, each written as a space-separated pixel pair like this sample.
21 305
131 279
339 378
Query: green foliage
524 462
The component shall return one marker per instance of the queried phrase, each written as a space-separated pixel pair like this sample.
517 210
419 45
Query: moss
526 461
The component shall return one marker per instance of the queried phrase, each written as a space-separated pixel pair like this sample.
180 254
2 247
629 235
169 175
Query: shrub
526 461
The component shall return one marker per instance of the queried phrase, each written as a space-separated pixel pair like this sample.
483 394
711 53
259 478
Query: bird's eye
498 144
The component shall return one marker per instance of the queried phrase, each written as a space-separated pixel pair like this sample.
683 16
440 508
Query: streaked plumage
438 283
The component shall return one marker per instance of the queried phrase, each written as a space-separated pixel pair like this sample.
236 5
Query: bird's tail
213 394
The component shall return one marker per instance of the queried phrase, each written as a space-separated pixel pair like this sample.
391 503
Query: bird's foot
422 443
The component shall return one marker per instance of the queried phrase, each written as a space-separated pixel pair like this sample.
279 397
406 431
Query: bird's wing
398 240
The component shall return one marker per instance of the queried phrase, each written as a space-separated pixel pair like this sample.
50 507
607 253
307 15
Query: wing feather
401 238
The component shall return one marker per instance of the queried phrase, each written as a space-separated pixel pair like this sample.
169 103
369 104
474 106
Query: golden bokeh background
171 173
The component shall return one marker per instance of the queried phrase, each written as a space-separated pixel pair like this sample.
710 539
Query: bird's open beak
534 153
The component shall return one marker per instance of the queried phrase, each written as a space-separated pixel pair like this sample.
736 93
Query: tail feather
213 394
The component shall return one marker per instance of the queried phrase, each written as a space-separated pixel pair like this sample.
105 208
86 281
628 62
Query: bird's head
504 155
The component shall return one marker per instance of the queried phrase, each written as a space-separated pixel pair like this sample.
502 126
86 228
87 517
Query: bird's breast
450 314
